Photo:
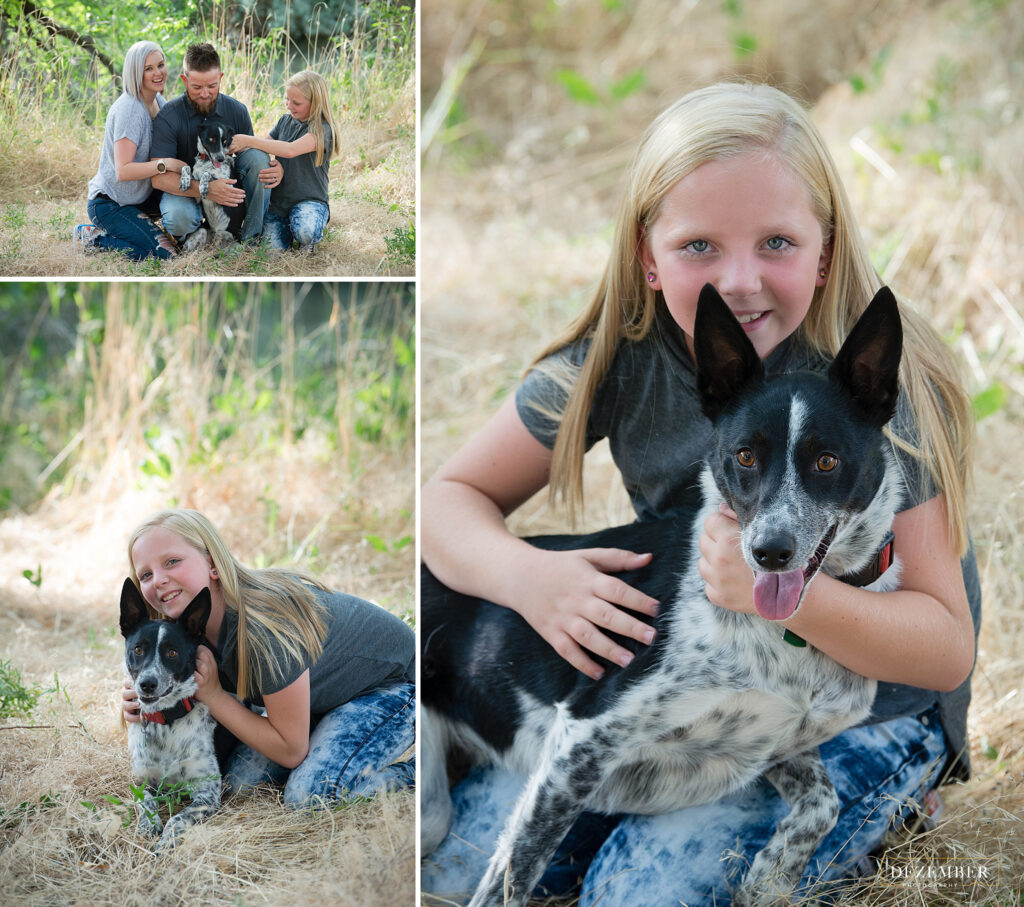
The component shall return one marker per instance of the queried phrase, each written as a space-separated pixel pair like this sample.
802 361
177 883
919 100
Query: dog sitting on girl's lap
731 186
317 686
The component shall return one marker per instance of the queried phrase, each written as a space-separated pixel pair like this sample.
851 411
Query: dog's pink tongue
776 595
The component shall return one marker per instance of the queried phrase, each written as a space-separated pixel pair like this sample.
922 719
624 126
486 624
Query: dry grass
303 503
520 186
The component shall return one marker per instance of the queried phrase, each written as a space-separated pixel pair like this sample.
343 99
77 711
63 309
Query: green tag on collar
794 640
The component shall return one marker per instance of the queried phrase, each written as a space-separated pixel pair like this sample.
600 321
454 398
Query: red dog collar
169 716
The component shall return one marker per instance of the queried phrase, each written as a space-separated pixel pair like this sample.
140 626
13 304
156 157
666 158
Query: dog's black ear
868 364
193 619
133 608
726 360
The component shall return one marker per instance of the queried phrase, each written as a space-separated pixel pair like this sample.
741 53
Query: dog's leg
218 220
186 178
205 802
148 810
814 808
435 797
552 801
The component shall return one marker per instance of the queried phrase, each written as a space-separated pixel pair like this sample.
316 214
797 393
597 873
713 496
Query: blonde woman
316 685
304 140
122 204
732 185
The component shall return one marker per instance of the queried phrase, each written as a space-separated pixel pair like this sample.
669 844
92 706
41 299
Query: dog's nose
147 686
774 553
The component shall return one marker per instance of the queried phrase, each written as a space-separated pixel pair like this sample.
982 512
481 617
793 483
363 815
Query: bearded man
175 134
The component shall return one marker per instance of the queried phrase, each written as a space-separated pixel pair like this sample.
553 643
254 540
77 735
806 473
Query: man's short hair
201 58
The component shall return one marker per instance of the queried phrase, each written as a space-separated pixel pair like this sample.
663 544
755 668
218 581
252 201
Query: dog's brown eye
138 650
172 653
827 462
745 457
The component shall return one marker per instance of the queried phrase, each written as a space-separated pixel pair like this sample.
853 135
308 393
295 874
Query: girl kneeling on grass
732 185
122 203
304 141
324 680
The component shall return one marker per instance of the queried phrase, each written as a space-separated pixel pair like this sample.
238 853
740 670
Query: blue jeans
128 229
304 224
182 215
698 855
352 753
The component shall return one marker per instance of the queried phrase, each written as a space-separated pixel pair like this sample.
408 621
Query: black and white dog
174 742
212 163
720 698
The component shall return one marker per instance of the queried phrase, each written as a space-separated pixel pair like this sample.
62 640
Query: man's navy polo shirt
176 127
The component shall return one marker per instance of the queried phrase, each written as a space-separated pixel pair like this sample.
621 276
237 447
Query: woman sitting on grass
304 140
121 197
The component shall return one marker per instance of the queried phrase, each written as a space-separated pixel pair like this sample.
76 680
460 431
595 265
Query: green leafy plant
16 697
35 577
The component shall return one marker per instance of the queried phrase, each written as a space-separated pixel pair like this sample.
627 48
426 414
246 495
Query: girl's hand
271 176
240 142
570 599
207 679
131 708
728 578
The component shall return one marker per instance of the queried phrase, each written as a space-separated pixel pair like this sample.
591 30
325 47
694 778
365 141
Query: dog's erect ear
193 619
229 134
726 360
868 363
133 609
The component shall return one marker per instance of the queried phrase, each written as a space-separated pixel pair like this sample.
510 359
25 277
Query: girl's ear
647 260
824 265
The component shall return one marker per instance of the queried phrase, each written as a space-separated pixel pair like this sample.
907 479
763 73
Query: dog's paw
197 240
223 238
149 822
186 178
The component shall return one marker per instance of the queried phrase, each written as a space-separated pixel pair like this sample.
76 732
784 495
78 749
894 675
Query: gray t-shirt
126 119
303 180
366 649
648 409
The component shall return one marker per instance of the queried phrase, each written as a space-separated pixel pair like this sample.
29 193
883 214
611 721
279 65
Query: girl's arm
920 635
283 735
566 596
304 145
129 169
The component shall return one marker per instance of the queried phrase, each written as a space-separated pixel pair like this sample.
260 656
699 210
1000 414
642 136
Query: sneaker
83 236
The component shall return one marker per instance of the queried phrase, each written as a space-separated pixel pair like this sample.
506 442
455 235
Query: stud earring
651 277
822 273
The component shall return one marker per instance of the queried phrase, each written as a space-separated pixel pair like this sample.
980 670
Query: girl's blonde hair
314 89
270 603
723 121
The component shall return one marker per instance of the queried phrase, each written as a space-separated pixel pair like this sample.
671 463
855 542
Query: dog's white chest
182 751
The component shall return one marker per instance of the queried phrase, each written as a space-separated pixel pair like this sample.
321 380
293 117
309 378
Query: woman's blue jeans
128 229
352 753
697 855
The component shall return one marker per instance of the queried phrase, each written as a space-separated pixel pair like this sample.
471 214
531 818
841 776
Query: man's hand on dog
571 601
226 193
730 581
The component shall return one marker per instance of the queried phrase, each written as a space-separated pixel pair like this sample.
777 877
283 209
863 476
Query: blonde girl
304 140
317 686
731 185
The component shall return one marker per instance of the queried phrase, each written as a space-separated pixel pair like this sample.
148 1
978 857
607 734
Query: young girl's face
297 103
746 226
171 572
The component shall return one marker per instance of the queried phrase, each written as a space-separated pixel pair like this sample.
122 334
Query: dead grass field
372 192
520 185
65 838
